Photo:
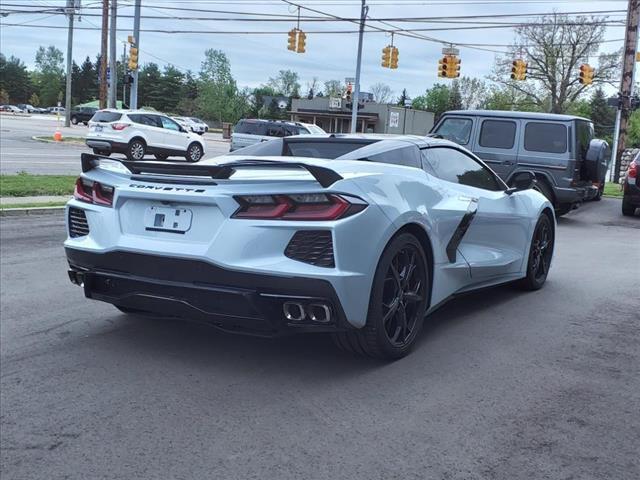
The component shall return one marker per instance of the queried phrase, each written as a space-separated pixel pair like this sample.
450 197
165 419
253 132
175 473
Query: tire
397 304
563 209
628 210
161 156
136 150
543 187
540 254
194 152
74 120
104 153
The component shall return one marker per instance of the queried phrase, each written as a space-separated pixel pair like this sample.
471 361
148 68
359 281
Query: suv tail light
305 206
633 170
119 126
93 192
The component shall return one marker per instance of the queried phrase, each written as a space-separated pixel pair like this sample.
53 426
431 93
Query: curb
13 212
38 138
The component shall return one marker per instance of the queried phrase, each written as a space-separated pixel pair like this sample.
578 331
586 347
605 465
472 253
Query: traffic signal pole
626 84
354 104
133 89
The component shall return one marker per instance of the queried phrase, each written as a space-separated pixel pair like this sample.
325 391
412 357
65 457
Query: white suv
137 133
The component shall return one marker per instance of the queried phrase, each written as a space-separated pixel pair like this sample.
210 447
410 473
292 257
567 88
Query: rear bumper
233 301
108 145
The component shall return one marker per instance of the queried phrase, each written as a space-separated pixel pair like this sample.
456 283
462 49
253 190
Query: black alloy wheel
399 298
540 254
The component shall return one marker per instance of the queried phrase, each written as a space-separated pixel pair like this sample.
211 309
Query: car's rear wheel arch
139 139
422 236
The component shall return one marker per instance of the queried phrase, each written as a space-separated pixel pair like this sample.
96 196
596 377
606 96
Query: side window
584 135
545 137
291 130
150 120
498 134
275 131
407 156
169 124
456 129
457 167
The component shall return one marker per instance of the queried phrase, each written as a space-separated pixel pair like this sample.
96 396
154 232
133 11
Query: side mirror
521 181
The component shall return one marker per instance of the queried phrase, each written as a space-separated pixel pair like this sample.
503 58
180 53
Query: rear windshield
324 149
105 117
251 128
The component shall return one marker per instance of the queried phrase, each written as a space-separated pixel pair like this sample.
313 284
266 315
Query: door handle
507 162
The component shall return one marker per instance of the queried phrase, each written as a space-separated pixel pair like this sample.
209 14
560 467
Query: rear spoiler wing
323 175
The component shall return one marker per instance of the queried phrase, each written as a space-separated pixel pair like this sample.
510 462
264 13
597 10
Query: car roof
266 120
419 141
514 114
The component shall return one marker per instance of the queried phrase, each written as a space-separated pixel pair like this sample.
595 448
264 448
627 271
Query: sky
256 57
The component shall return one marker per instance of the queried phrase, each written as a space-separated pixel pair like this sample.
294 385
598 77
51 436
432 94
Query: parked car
631 187
137 133
82 114
569 164
11 109
250 131
26 108
56 110
197 121
277 245
190 125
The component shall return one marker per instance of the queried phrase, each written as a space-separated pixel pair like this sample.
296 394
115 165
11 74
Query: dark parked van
569 164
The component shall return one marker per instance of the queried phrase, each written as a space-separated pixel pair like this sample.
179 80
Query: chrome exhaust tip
293 311
319 312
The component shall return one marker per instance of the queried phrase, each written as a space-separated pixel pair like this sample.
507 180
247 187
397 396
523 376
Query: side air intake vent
312 246
78 225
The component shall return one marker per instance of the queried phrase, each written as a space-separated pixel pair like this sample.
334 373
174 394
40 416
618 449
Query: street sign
335 103
450 51
394 119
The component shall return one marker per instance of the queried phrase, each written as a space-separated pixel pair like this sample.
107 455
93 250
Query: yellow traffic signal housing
133 58
302 42
347 93
455 71
519 70
586 74
386 56
292 41
442 67
449 67
394 58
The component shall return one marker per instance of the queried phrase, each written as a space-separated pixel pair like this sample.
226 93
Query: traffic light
586 74
302 42
519 70
347 93
292 41
449 67
394 58
133 58
386 56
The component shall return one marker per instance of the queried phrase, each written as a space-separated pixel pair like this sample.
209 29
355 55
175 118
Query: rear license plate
98 128
167 219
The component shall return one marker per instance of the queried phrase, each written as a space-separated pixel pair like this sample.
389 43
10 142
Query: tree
218 95
286 83
473 92
4 96
85 87
34 100
455 97
258 108
15 80
312 88
171 88
603 116
381 92
403 97
49 74
554 47
149 80
500 97
633 130
435 100
332 88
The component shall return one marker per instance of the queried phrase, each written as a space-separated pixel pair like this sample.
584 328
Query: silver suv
250 131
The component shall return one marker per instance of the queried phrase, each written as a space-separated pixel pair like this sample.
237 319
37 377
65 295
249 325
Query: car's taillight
633 170
93 192
305 206
119 126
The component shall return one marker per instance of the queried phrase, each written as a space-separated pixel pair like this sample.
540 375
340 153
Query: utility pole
356 94
113 64
103 54
67 100
626 83
133 91
124 69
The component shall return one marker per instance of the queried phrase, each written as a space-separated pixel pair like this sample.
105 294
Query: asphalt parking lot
502 385
20 152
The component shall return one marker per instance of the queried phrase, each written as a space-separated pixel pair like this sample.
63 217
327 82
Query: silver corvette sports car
357 235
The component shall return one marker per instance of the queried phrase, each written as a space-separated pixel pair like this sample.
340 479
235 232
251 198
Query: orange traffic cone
57 136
